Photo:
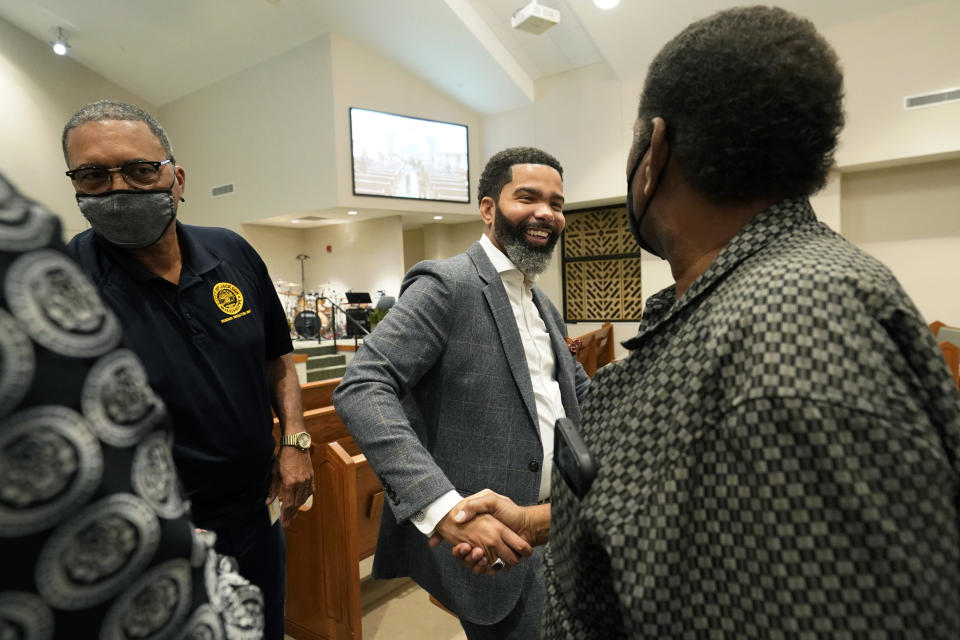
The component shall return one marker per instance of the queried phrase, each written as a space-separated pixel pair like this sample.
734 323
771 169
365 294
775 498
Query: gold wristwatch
299 440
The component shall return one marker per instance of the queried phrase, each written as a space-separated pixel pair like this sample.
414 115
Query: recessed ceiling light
351 213
294 222
438 217
606 4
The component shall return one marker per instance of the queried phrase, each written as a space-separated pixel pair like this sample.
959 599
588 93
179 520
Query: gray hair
115 110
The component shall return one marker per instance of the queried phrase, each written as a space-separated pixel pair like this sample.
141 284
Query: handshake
489 531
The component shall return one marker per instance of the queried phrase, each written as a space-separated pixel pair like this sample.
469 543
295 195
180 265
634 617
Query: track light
60 45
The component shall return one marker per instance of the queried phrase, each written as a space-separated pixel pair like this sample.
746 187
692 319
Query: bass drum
307 324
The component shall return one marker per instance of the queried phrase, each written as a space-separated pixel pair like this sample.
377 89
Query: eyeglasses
140 174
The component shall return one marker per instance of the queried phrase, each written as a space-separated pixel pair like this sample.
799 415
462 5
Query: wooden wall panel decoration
601 267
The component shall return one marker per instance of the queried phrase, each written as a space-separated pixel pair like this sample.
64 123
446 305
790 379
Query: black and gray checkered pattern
777 458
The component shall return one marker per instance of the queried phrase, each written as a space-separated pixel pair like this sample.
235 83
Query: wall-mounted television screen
403 157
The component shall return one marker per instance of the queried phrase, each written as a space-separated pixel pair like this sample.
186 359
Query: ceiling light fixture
60 45
351 213
295 221
606 4
438 217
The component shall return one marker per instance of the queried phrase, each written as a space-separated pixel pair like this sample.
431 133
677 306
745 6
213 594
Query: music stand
358 323
358 297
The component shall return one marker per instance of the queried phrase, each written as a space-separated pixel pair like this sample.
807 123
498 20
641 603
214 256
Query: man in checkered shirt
778 454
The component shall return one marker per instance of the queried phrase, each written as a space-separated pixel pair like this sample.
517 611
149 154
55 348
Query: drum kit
308 312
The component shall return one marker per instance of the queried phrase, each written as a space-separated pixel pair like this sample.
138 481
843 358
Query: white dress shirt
541 362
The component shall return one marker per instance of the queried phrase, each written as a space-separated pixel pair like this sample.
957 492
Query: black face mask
632 219
129 218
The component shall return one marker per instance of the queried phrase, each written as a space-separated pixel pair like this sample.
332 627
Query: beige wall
585 116
364 256
412 247
578 117
909 218
279 249
39 91
279 132
890 56
445 240
363 79
261 127
267 130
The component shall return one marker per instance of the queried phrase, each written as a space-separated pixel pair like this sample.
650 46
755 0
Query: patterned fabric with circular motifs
94 528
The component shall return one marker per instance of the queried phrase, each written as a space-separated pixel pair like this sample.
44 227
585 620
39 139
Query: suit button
396 500
534 466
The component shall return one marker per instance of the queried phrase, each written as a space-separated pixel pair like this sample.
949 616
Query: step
317 350
325 373
315 362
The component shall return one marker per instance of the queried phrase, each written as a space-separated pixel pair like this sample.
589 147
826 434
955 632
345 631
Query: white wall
267 130
39 91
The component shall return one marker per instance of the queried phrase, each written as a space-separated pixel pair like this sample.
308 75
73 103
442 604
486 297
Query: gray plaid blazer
438 398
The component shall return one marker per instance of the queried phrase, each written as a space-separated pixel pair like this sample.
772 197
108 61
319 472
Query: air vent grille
222 190
930 99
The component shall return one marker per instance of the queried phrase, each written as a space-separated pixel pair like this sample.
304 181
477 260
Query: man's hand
530 523
484 535
292 480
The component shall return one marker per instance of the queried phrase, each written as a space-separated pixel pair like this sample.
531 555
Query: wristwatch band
299 440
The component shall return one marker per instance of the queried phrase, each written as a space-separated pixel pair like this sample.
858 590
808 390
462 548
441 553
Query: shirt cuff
430 516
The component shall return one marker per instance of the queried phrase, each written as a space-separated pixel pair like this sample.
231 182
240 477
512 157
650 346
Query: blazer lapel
506 323
566 373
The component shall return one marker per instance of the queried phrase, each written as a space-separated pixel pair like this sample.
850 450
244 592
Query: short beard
529 259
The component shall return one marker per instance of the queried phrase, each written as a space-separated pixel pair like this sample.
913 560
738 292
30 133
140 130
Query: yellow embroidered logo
228 298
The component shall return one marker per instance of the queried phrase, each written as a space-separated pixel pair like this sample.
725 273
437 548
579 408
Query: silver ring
498 564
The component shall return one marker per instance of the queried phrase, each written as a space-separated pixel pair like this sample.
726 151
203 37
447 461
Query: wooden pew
949 340
951 354
315 395
323 425
596 349
326 544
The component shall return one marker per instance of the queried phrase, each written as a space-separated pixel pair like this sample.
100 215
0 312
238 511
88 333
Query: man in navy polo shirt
199 309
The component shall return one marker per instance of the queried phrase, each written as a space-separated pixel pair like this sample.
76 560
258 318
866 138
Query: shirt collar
502 263
194 256
762 230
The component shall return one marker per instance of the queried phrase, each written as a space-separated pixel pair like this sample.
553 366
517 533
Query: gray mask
127 218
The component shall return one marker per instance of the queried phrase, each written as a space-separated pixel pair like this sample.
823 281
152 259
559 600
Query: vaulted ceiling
163 50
